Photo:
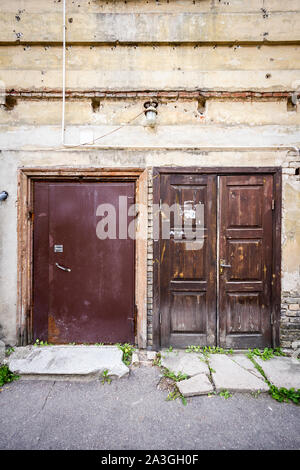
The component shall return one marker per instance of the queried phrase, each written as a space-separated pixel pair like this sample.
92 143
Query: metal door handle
63 268
223 265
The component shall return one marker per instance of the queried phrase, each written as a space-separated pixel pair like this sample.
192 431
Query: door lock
223 265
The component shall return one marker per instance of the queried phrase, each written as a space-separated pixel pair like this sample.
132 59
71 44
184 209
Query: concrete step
67 362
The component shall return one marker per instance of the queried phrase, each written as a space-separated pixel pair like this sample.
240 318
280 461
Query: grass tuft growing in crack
157 360
176 394
285 395
6 375
9 351
127 350
206 350
266 354
225 394
173 379
105 377
41 343
281 394
177 378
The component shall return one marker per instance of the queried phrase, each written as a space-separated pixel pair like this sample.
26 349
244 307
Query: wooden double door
220 288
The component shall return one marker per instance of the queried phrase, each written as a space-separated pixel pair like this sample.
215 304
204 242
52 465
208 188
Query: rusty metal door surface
246 255
220 294
83 285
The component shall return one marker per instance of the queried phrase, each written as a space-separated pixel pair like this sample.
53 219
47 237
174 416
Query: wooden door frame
276 230
26 179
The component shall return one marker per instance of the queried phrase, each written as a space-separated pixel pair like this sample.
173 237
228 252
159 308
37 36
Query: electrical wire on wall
104 135
64 97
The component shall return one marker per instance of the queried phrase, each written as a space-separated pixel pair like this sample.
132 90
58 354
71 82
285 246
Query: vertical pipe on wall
63 75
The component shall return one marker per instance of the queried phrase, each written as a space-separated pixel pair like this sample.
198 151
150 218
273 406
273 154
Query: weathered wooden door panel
94 301
187 267
246 251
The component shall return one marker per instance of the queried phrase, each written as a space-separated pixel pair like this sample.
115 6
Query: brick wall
290 319
150 258
290 306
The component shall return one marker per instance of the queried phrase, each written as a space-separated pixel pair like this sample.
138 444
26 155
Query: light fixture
3 195
151 112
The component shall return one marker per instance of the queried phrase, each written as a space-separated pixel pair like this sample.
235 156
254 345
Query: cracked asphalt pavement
131 413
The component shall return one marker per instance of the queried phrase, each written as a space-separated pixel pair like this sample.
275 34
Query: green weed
226 394
177 378
266 354
41 343
105 377
285 395
127 349
206 350
176 394
9 351
6 375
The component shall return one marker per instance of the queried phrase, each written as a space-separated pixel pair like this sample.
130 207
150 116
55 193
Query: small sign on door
58 248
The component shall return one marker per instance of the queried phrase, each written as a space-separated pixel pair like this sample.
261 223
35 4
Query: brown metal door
188 276
94 301
246 251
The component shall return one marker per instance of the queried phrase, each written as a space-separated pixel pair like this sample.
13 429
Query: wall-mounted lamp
3 195
295 97
151 112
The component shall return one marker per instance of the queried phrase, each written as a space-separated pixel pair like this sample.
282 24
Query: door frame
276 230
25 227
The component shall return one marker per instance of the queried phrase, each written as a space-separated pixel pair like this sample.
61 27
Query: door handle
63 268
223 265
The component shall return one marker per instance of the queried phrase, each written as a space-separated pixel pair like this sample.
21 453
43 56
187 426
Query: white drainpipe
63 75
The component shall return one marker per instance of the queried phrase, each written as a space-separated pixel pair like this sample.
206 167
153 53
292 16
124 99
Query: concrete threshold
67 362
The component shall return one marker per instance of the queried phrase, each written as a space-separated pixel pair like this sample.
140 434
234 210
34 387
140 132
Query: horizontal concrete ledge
199 149
121 43
140 136
27 94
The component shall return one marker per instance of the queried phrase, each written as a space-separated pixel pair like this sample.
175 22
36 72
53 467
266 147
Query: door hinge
30 215
273 204
135 319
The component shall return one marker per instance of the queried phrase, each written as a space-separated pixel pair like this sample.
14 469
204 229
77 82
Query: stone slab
282 371
243 361
151 355
196 385
67 361
231 376
186 363
135 358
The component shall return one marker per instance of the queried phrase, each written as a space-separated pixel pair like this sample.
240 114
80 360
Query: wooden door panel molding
249 291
